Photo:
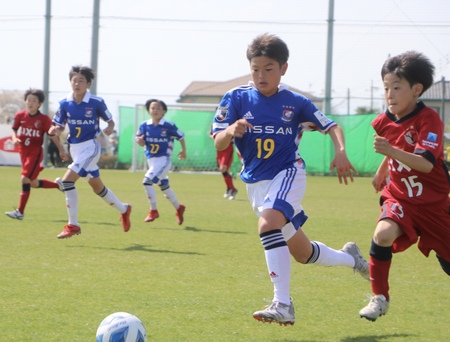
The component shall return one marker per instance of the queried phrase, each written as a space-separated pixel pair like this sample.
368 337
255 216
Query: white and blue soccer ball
121 327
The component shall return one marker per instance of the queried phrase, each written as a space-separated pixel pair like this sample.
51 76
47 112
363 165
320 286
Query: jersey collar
86 97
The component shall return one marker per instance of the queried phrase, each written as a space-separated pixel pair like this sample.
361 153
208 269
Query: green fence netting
315 148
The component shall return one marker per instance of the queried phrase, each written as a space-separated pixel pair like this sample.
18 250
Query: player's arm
55 129
343 166
62 153
182 154
15 138
379 181
223 138
414 161
110 128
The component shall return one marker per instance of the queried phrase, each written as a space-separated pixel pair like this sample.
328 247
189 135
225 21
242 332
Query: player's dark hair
412 66
87 72
36 92
268 45
149 102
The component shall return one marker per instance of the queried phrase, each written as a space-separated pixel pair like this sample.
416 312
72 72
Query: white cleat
378 306
361 264
16 214
277 312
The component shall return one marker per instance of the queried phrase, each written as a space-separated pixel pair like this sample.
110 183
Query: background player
266 121
415 201
224 159
157 135
28 129
82 111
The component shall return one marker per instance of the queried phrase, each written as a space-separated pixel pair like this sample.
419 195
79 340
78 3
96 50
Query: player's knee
444 264
147 181
164 185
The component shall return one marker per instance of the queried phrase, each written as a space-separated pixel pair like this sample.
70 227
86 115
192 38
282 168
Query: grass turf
200 281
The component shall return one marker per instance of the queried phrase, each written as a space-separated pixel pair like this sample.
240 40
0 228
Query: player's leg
386 232
272 217
444 264
150 192
278 263
111 199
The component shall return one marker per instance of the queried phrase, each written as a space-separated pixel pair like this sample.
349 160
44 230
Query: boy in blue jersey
82 111
266 121
157 135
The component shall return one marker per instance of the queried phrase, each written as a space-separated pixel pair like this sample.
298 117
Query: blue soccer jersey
278 123
82 118
159 138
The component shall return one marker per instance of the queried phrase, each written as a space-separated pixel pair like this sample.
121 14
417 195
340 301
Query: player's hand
182 155
54 130
238 128
343 167
17 142
108 130
379 181
64 156
382 146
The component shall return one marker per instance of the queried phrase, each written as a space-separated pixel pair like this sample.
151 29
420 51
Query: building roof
435 91
208 88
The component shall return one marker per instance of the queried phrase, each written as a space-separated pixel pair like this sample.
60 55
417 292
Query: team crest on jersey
287 115
164 132
37 124
221 113
411 136
88 113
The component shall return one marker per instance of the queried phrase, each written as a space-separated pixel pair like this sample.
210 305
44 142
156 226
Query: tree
367 110
10 103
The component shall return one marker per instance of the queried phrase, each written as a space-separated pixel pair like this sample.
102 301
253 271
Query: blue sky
157 48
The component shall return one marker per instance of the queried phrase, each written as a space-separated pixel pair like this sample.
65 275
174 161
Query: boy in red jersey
33 124
413 177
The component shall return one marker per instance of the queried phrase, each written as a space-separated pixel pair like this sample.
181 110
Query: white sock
279 265
151 196
111 199
326 256
170 195
72 205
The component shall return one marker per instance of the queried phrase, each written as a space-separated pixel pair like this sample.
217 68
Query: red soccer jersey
420 132
32 129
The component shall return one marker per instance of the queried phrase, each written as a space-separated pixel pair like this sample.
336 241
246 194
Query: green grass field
203 280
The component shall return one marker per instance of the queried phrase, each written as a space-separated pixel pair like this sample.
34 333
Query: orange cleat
69 230
125 218
152 216
179 214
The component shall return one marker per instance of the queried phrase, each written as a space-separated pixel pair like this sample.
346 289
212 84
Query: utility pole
45 106
329 66
94 48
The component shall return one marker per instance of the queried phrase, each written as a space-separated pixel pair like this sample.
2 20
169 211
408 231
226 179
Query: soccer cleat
233 193
227 193
16 214
277 312
361 264
180 213
378 306
60 183
69 230
152 216
125 218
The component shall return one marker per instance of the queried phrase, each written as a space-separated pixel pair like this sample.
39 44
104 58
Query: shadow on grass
139 248
199 230
82 223
365 338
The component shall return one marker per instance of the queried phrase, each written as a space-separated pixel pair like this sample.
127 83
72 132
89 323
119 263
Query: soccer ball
121 327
